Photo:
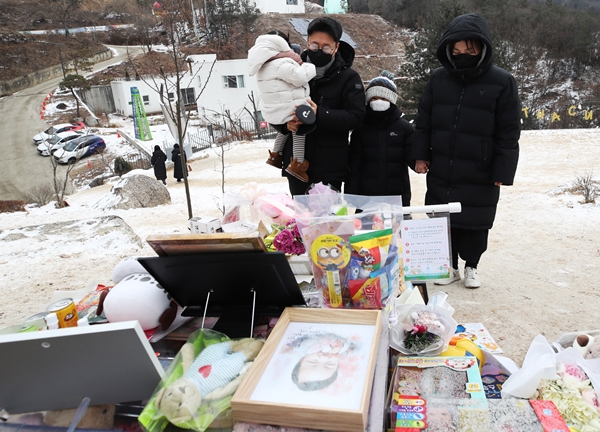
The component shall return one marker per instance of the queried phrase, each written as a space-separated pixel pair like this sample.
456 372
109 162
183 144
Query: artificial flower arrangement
422 329
286 238
574 396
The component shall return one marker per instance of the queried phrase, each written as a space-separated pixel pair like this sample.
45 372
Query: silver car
55 142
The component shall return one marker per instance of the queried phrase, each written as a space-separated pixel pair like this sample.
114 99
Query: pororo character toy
215 373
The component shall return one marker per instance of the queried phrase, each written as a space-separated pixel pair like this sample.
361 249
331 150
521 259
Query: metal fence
222 133
138 161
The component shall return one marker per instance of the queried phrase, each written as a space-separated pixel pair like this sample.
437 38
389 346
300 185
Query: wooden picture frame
313 408
180 244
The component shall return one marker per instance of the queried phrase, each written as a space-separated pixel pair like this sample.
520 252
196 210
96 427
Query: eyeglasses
325 48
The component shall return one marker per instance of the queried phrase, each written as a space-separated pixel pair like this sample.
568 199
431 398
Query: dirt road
22 169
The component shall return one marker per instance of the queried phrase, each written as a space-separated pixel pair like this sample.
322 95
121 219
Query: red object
549 416
89 164
205 370
118 135
263 125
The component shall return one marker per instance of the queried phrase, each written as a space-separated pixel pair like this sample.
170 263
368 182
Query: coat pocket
487 155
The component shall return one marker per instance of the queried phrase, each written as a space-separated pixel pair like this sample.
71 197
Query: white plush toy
137 296
126 267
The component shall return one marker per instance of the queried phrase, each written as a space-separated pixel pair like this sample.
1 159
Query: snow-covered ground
540 273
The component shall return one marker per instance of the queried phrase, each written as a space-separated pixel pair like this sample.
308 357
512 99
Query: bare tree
63 10
174 25
60 183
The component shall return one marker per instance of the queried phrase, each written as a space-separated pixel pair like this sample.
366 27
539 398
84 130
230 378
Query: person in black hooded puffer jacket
380 147
467 137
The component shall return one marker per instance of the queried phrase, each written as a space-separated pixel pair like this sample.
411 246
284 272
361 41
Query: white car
64 127
77 148
55 142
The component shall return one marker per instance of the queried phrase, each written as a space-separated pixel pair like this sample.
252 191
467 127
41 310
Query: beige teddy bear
588 346
215 373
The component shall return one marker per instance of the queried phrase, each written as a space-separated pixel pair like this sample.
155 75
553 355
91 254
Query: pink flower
589 395
283 240
575 372
298 247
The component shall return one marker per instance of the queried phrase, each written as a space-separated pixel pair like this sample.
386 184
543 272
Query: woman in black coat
158 160
467 137
176 158
380 147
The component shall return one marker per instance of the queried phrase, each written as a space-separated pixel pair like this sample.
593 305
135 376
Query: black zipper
453 141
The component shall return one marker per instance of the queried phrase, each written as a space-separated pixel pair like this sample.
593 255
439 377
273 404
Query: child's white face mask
379 105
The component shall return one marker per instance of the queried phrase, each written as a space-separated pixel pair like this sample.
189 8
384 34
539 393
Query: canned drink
36 317
65 311
36 320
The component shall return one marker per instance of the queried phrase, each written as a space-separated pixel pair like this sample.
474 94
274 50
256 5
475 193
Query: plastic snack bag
353 243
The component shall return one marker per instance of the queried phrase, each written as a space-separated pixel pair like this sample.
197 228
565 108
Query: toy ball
126 267
137 297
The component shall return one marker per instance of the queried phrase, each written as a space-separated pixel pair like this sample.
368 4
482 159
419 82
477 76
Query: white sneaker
471 278
454 276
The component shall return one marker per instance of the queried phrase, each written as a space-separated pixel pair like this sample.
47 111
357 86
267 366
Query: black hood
469 26
346 52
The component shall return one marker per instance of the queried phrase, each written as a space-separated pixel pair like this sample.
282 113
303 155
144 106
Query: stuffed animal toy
137 296
588 346
215 373
126 267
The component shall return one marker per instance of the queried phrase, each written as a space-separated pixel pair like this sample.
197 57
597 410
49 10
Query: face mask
379 105
319 58
465 61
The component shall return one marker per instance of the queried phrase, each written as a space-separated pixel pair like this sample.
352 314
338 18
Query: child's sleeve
295 74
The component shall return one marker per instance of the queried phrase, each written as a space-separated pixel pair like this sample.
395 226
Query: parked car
55 142
79 147
64 127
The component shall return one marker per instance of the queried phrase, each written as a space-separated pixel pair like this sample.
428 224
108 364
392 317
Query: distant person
176 158
283 83
380 147
338 101
467 137
158 160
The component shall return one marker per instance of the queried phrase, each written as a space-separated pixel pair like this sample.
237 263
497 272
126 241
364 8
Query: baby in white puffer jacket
283 82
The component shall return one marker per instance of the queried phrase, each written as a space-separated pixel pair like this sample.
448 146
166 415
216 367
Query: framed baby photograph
314 371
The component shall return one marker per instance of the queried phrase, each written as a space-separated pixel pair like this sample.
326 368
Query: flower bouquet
286 238
422 330
574 396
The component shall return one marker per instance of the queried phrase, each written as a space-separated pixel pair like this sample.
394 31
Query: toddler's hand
289 54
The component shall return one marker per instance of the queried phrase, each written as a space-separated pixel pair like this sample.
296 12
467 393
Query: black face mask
465 61
319 58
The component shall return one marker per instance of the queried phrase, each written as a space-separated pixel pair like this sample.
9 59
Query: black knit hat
326 25
382 86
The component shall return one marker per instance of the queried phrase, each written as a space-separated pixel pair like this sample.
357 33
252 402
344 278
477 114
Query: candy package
353 244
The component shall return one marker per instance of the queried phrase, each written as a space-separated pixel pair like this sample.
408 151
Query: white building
280 6
225 85
214 86
121 91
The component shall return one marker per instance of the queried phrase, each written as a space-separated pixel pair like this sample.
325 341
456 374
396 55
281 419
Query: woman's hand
498 183
422 166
